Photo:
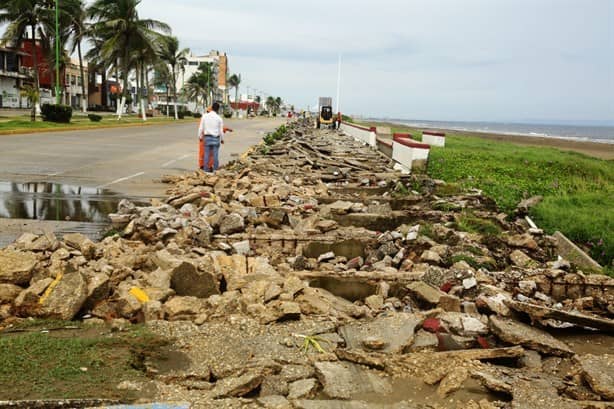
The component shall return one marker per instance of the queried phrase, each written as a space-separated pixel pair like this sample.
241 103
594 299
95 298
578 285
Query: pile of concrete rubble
310 274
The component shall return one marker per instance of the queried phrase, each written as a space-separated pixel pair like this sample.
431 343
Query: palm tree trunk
36 105
143 104
118 98
83 95
175 91
168 97
237 99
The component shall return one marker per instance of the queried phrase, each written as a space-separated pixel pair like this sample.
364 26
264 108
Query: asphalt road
125 160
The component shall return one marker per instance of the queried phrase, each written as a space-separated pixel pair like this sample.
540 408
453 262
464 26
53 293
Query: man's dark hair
216 106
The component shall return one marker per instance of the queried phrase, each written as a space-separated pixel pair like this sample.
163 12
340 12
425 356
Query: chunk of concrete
396 332
303 389
16 267
426 293
188 281
342 380
237 386
65 297
517 333
569 251
598 371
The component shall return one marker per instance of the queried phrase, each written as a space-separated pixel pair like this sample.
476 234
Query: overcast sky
503 60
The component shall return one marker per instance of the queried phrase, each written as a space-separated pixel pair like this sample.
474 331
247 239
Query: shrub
227 114
197 115
180 114
56 113
94 117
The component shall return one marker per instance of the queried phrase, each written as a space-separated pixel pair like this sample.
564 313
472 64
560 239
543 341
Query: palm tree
21 15
163 78
270 104
201 83
124 33
33 96
177 59
195 91
78 29
233 82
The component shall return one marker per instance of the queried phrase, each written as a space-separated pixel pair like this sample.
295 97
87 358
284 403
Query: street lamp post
57 54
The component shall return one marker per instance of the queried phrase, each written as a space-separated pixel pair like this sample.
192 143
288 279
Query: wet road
125 160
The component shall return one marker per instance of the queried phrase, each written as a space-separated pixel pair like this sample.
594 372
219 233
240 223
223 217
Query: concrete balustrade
434 138
406 152
360 133
409 153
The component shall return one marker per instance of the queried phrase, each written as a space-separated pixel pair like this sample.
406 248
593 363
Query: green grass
38 365
578 190
470 223
17 124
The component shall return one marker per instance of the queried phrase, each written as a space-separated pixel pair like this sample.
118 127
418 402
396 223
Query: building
73 90
220 71
70 76
12 77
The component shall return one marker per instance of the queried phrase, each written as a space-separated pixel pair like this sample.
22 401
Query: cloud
430 59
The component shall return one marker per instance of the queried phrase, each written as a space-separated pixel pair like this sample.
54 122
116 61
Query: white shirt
211 124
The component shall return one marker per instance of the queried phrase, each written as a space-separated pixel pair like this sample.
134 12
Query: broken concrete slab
396 332
517 333
425 292
598 372
237 386
342 380
303 389
64 297
453 381
569 251
187 280
538 312
16 267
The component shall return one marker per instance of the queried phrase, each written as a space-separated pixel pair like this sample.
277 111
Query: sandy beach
594 149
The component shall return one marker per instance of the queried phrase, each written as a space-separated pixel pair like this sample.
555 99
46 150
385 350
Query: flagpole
338 83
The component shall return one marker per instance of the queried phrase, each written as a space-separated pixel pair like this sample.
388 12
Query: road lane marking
170 162
120 180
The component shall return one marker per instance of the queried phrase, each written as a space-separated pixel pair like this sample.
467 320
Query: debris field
310 274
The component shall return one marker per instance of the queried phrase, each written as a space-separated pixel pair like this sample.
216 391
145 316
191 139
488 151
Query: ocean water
594 133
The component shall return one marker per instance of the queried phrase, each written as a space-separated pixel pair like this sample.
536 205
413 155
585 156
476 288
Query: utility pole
338 84
57 54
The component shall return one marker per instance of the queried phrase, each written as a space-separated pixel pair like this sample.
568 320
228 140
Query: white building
12 77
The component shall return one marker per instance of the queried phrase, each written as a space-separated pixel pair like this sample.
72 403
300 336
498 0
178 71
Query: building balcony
24 73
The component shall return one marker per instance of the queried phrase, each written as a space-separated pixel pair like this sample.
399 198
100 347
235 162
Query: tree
21 15
177 59
33 96
78 30
233 82
163 78
201 83
124 34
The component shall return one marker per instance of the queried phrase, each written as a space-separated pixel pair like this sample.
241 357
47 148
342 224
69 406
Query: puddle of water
414 390
54 201
585 342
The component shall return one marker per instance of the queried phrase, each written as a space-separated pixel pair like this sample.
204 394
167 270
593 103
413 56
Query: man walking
211 129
